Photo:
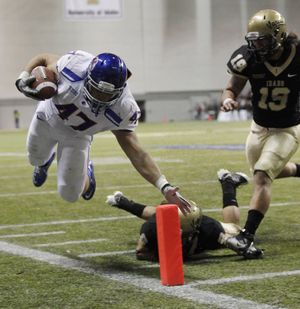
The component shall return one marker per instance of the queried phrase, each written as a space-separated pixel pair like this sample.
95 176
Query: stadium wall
158 107
171 46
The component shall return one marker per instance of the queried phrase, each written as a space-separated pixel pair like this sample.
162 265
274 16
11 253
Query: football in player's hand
45 82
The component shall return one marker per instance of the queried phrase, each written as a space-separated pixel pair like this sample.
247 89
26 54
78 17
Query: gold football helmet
192 220
266 33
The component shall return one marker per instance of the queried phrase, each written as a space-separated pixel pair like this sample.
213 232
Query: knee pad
69 193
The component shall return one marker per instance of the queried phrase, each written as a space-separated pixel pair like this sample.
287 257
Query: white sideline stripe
12 226
105 253
71 242
183 292
65 222
283 204
32 234
246 278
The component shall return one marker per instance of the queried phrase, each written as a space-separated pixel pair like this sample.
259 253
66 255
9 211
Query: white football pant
72 153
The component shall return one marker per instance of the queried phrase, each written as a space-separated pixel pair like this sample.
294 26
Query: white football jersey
72 108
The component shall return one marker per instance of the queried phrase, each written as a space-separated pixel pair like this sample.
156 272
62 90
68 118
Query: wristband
161 183
228 100
24 74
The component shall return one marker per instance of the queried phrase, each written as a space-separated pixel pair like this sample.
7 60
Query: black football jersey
207 236
275 86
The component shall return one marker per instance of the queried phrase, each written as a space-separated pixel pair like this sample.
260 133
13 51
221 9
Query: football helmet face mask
266 33
105 81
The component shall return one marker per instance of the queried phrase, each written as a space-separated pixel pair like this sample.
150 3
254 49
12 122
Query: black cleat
238 179
240 243
243 245
253 253
40 173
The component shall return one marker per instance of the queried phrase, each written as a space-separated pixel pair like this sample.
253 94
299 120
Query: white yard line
283 204
62 222
118 187
27 193
195 262
15 177
246 278
96 160
13 154
12 226
32 234
71 242
123 160
186 292
105 253
175 133
33 193
155 134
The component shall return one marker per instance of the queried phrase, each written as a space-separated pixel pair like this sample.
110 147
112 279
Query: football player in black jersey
198 232
271 63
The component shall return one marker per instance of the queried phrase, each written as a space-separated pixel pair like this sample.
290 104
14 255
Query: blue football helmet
105 81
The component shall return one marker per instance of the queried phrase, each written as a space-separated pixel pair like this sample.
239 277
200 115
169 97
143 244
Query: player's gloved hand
23 84
172 195
228 105
114 199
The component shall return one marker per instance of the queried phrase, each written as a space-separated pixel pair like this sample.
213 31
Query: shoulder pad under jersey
74 65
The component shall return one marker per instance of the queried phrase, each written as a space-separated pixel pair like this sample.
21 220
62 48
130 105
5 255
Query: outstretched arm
139 158
47 60
146 166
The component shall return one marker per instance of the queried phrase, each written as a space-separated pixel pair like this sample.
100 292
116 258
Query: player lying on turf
198 232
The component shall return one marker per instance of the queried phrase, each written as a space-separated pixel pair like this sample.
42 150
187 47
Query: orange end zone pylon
169 245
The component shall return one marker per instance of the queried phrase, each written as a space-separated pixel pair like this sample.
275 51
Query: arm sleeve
130 122
128 111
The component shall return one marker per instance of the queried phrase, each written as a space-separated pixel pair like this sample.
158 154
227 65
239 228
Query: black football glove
23 84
